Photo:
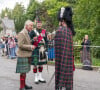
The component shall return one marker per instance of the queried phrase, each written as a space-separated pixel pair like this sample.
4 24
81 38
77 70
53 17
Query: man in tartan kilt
64 60
39 55
24 53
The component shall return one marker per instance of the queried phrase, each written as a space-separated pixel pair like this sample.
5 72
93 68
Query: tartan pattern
22 81
23 65
35 53
50 44
63 59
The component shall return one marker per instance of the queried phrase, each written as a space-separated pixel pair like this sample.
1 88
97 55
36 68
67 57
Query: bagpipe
43 54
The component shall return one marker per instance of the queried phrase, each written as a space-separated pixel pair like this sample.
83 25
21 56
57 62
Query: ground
9 80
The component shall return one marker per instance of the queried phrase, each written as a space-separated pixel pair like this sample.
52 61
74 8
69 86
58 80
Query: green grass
51 62
95 62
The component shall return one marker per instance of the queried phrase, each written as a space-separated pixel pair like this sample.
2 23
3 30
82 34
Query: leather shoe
42 81
28 87
36 82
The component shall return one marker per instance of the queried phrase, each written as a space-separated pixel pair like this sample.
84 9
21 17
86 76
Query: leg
26 86
40 69
22 81
36 76
23 85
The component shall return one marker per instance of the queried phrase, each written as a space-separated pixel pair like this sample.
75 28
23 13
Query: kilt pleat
23 65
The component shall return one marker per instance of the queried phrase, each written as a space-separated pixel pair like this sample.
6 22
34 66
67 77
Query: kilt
63 59
23 65
35 58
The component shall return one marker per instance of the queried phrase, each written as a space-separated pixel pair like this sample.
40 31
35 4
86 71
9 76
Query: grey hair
27 23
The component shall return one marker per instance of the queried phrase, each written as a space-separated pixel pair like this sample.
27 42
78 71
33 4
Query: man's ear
26 26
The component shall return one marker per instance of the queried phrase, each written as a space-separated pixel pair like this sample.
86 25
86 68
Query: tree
18 14
52 12
6 11
85 13
68 1
1 28
97 36
32 9
18 11
30 3
47 11
19 23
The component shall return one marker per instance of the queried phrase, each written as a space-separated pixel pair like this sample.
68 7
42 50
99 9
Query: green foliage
18 11
96 62
19 23
87 21
6 11
80 33
85 13
69 1
31 11
97 31
0 21
18 14
1 28
30 3
53 11
47 11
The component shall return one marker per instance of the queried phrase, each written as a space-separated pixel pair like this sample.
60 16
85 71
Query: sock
35 70
40 69
22 81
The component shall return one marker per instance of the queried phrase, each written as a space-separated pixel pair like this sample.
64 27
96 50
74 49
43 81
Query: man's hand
33 47
35 38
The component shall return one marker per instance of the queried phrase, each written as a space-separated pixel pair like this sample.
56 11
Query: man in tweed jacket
24 53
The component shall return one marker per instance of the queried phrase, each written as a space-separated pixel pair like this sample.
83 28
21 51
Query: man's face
39 25
29 27
61 23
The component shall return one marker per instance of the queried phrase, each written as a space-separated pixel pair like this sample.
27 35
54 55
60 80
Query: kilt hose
23 65
63 59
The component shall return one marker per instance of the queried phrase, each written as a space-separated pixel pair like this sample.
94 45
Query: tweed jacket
24 44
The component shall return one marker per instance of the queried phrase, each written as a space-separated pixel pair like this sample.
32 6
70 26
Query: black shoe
28 87
36 82
22 89
42 81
